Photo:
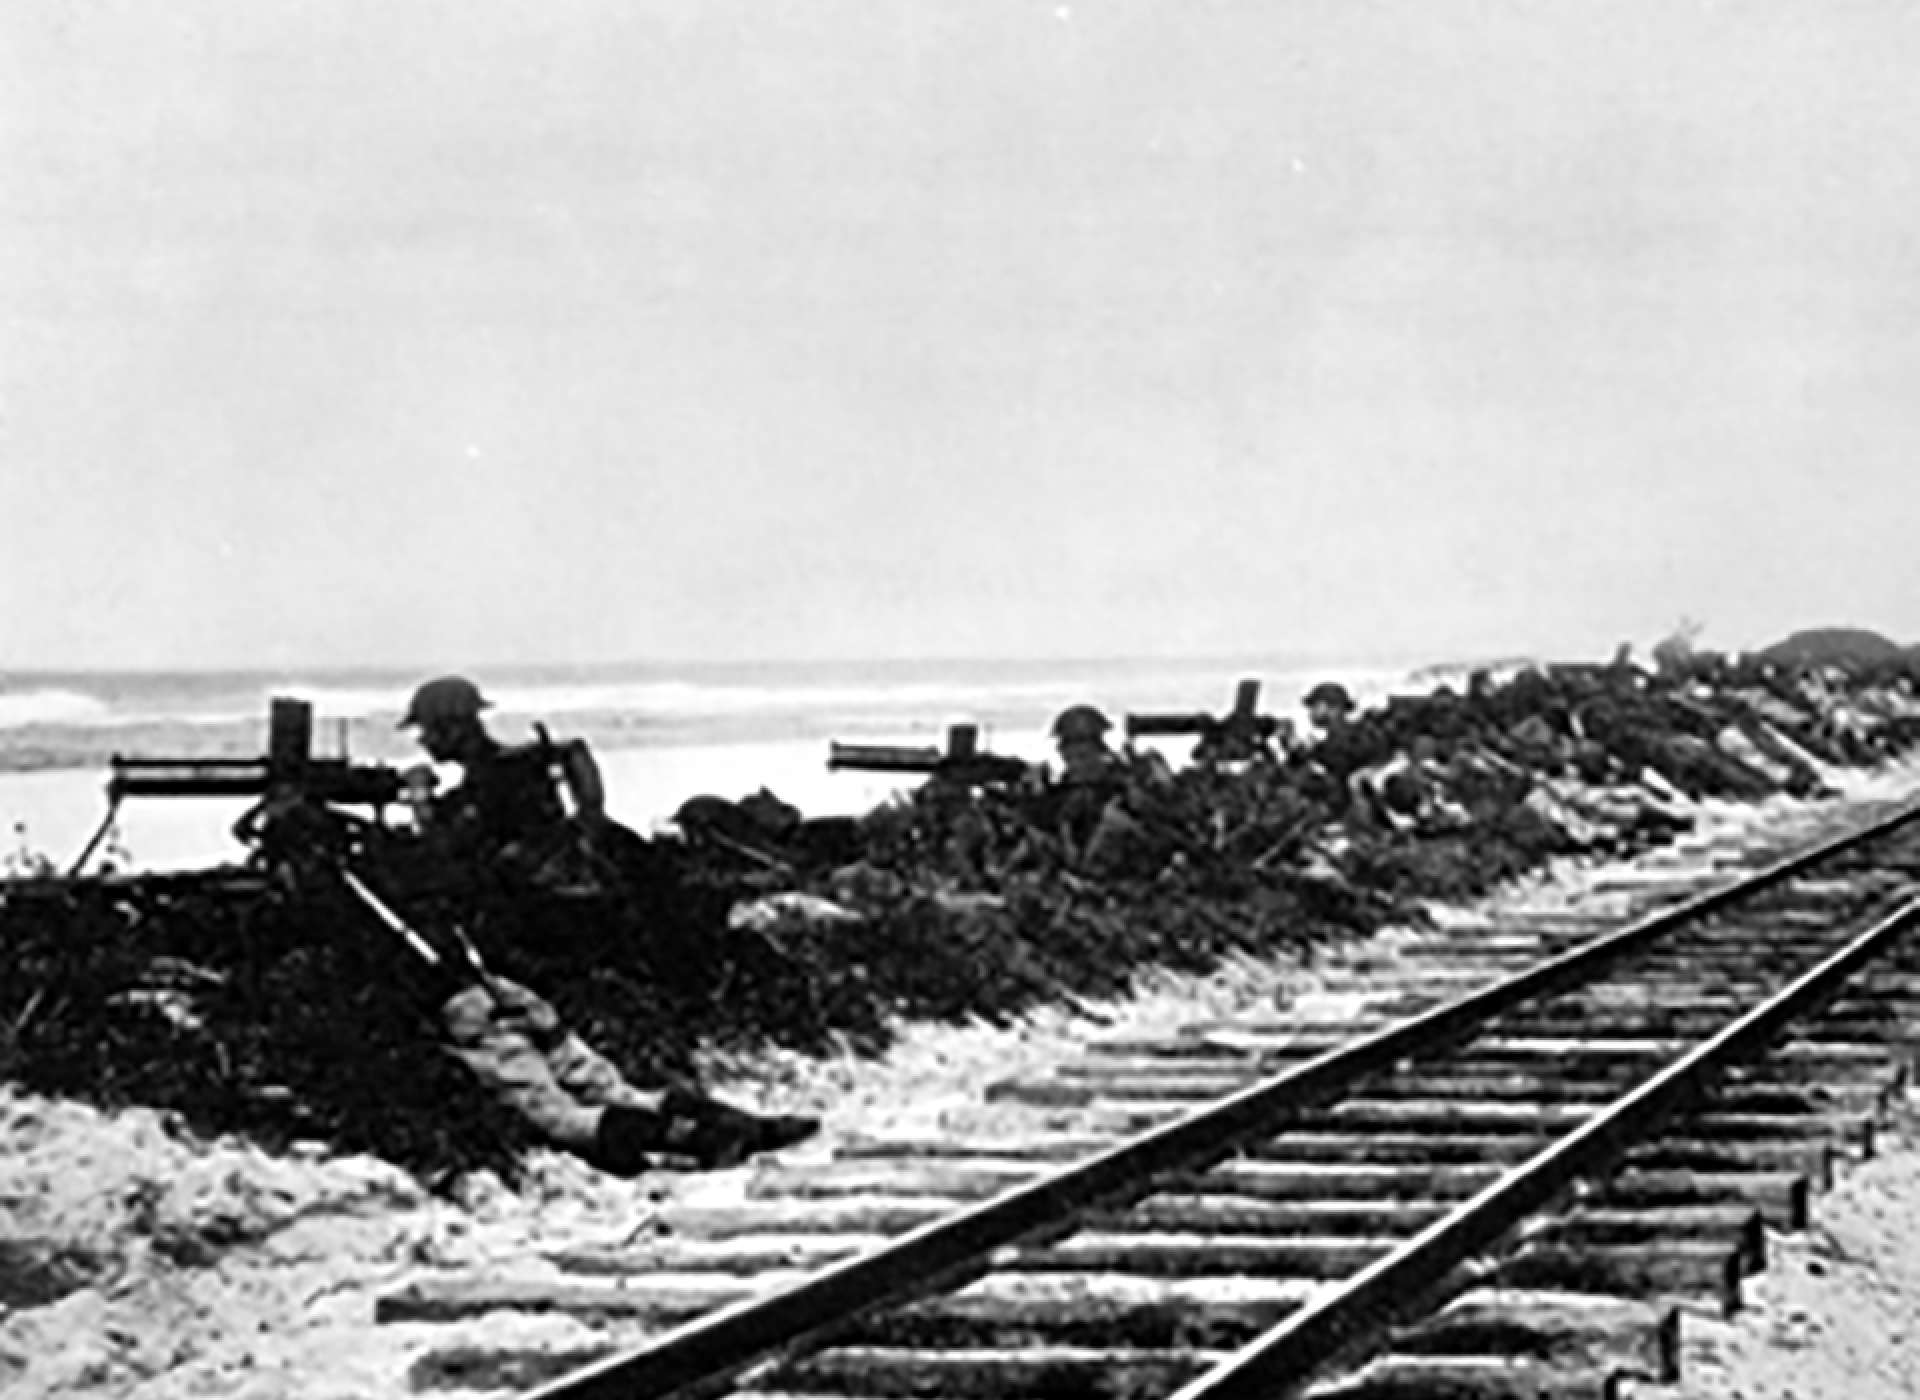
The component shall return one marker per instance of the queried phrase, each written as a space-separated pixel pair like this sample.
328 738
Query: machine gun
1242 733
300 837
297 819
288 772
961 764
289 765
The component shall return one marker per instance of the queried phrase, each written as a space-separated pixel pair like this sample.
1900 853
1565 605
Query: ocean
663 733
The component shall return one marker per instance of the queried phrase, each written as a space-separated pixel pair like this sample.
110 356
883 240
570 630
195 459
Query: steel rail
1276 1365
710 1350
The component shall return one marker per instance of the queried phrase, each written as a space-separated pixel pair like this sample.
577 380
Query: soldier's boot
716 1134
712 1133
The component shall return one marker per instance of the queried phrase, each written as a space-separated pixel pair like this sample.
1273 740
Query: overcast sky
387 330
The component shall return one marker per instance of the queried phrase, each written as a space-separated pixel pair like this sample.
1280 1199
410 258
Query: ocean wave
676 699
51 706
666 704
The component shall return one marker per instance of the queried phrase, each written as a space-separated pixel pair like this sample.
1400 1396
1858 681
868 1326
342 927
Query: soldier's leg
592 1078
577 1067
495 1042
515 1042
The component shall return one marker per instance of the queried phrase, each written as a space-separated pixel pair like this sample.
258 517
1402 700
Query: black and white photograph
1039 699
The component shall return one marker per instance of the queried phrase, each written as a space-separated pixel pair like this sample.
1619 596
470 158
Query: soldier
507 814
1088 765
1329 706
1087 802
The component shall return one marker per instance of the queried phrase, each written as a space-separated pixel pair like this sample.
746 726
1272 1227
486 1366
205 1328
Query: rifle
416 943
1241 733
961 764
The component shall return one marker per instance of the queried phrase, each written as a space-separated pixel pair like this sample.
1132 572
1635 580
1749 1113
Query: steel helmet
1080 722
1330 693
444 698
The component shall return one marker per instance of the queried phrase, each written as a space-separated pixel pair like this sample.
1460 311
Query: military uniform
515 1043
505 828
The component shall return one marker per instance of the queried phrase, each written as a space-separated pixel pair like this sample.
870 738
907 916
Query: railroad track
1501 1194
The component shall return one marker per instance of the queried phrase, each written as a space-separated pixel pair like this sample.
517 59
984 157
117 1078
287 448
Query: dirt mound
1846 647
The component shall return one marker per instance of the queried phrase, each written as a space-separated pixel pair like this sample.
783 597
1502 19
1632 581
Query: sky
419 331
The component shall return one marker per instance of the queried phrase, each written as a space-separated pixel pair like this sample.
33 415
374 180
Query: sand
1836 1316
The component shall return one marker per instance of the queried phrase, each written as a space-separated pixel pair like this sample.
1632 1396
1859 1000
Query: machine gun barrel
883 758
1150 725
325 780
188 777
962 761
